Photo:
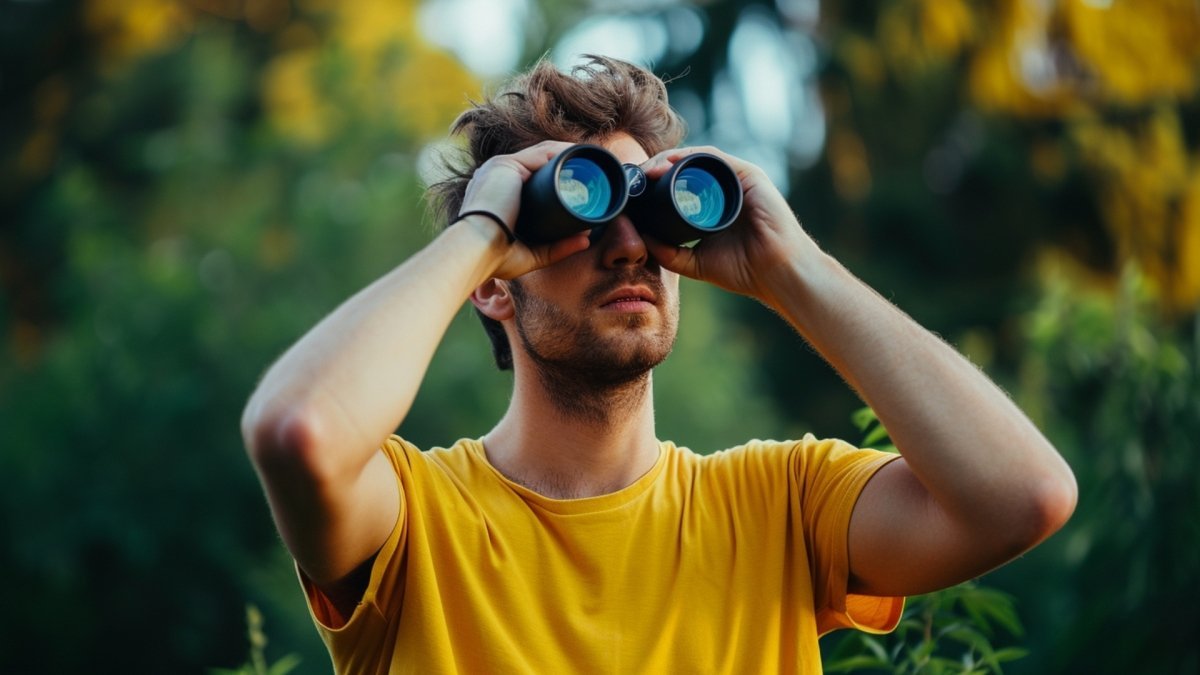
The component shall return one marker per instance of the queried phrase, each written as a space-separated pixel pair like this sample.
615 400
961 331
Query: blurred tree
176 221
186 186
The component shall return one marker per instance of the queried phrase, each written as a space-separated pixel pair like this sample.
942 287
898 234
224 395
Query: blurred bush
1118 389
190 201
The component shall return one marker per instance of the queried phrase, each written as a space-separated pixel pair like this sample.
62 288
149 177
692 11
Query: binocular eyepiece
585 187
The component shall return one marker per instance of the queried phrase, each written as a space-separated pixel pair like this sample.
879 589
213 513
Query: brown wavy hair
594 100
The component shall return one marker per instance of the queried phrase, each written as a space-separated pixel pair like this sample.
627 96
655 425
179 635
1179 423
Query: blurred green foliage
187 186
1118 389
949 631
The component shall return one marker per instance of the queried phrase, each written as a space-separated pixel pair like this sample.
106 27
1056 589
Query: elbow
1057 500
284 441
1049 504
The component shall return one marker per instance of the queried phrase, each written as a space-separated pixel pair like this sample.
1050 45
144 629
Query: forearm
351 379
979 457
978 484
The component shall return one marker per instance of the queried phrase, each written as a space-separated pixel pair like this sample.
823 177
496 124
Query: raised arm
314 425
978 483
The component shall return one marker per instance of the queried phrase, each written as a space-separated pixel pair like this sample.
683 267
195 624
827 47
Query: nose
621 244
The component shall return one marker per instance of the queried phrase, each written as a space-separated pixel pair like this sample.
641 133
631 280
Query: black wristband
488 214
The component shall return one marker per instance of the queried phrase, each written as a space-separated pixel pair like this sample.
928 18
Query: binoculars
586 187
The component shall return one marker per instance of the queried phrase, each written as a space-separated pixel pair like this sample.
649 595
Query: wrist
493 217
798 280
479 238
487 227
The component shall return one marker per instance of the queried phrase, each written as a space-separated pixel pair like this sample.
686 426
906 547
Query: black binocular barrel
699 196
581 188
585 187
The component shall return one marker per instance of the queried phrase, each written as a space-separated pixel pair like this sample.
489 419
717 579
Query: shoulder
806 451
755 454
409 460
801 459
755 463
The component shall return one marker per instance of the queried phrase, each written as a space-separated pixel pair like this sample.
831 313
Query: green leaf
938 665
856 663
1010 654
922 651
972 638
284 665
876 648
994 605
877 434
863 418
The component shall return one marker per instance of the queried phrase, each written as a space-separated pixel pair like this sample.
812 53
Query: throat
591 399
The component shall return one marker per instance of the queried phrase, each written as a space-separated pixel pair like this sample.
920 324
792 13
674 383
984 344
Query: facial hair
589 377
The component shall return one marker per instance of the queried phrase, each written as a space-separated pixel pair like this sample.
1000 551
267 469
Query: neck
567 437
592 399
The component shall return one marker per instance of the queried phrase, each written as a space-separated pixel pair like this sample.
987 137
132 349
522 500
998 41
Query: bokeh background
186 186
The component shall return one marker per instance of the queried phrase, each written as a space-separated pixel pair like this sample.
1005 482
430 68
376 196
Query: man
570 538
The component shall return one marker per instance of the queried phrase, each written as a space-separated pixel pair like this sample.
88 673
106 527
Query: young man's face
609 312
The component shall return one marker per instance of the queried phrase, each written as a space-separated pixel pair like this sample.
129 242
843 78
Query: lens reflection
699 197
584 188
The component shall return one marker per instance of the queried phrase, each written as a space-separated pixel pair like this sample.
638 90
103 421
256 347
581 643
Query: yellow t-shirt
728 563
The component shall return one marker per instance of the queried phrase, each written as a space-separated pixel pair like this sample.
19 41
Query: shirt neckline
582 505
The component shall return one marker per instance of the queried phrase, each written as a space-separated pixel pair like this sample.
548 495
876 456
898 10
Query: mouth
629 298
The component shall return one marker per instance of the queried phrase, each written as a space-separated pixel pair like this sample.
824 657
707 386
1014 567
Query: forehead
624 147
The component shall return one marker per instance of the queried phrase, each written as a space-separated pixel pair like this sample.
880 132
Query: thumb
551 253
678 259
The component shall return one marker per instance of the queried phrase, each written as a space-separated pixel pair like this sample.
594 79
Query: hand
741 259
496 187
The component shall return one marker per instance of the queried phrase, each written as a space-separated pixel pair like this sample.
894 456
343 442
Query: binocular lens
699 197
584 187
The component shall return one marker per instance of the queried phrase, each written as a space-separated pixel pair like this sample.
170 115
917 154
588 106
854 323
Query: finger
678 259
536 156
660 163
501 170
548 254
568 246
657 165
676 154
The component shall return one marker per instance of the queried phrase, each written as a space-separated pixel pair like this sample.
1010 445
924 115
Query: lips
629 294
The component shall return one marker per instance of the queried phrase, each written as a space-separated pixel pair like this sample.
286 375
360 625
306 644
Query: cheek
545 293
560 276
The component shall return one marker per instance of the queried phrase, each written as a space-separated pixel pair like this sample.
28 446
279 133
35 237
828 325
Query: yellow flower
429 91
290 97
1136 51
1149 192
128 29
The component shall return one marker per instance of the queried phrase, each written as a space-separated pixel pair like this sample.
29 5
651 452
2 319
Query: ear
493 299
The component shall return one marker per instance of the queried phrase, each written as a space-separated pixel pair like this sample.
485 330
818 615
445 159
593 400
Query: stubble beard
591 378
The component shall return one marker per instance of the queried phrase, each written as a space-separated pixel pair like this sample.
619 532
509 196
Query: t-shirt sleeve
831 475
385 581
